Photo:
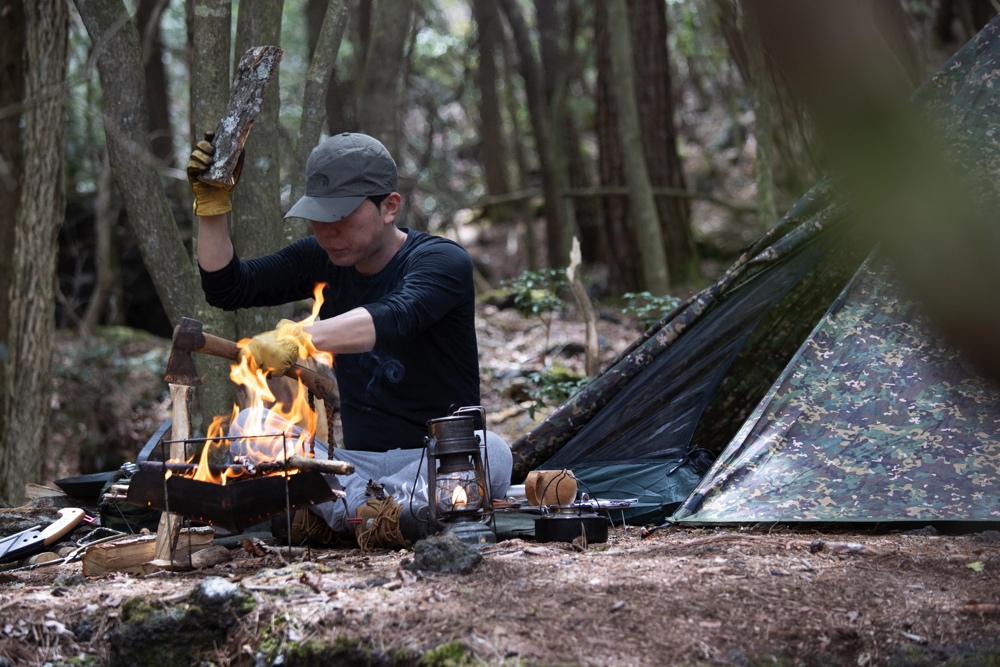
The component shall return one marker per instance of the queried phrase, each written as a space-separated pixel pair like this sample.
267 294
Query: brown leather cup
550 487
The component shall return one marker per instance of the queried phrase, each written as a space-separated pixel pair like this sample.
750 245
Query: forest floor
679 597
682 596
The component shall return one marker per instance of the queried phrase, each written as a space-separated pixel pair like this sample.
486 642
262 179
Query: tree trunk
11 162
553 178
767 212
125 123
493 148
210 28
655 100
525 208
321 64
257 224
654 261
147 19
104 222
37 221
380 92
617 240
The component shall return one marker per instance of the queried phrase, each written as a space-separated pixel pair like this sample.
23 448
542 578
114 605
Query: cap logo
318 182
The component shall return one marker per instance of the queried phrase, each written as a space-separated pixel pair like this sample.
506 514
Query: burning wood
239 469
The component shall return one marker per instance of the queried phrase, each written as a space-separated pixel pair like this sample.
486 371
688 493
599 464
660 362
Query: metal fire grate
235 505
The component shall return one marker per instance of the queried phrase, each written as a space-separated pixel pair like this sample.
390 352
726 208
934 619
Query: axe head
180 366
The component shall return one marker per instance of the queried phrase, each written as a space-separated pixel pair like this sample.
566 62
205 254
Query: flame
298 335
459 498
271 430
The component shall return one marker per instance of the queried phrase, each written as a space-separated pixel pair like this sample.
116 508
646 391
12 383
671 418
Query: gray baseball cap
341 172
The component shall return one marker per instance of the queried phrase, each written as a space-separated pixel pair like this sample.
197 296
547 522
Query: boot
379 524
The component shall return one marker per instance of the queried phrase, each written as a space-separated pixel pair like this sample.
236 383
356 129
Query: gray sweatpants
401 472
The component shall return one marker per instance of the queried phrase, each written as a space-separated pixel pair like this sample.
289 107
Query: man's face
359 240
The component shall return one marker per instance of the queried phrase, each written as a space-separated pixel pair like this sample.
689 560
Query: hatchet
33 540
189 337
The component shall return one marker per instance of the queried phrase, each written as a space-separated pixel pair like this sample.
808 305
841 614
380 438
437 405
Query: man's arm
215 248
349 333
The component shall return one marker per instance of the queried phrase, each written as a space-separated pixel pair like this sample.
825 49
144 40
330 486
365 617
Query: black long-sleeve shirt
425 361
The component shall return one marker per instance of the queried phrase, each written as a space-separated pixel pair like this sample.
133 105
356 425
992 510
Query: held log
255 71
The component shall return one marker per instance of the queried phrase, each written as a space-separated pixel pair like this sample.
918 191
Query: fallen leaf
977 566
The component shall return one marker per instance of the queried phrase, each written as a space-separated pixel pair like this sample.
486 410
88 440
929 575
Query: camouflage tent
742 368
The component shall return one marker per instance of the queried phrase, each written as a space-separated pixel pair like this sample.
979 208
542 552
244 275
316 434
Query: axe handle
318 384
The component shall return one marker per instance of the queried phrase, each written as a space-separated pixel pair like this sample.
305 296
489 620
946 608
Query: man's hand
274 351
209 199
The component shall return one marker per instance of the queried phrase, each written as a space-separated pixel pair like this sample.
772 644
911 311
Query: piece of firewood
33 491
170 524
255 71
129 554
199 560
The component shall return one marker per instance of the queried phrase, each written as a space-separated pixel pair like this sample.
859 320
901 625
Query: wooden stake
166 532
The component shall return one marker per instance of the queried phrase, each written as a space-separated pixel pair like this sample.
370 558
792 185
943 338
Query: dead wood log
128 555
255 71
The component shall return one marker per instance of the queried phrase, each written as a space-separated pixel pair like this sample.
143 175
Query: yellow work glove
274 351
209 199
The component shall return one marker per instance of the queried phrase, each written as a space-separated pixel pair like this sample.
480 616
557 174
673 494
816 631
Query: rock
166 636
989 536
445 554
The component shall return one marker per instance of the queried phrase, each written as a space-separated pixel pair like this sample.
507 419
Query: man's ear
390 207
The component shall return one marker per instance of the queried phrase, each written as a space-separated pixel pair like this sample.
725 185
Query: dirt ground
678 597
683 596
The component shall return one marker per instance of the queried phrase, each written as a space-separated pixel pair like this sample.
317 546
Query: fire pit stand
240 502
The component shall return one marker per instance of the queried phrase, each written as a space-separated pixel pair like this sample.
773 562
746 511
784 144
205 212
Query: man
399 304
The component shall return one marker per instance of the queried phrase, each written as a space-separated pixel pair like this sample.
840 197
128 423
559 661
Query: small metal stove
259 493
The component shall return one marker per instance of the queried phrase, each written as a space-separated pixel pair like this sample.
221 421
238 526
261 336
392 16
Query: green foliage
552 386
647 308
453 654
536 292
108 395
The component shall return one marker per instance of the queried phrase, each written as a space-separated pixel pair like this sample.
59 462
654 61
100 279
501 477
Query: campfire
252 464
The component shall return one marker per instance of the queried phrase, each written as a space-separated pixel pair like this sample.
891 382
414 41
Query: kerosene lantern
459 498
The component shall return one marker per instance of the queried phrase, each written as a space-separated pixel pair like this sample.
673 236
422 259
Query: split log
166 531
255 71
199 560
129 554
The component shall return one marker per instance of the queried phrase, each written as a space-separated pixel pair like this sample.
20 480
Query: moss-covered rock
151 634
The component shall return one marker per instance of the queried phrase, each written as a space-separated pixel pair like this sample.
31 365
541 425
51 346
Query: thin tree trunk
161 133
767 212
37 222
654 99
120 67
617 241
12 77
321 64
380 92
493 149
104 221
210 29
525 208
553 178
654 259
257 224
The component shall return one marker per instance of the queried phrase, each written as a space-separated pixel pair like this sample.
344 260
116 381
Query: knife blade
31 541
